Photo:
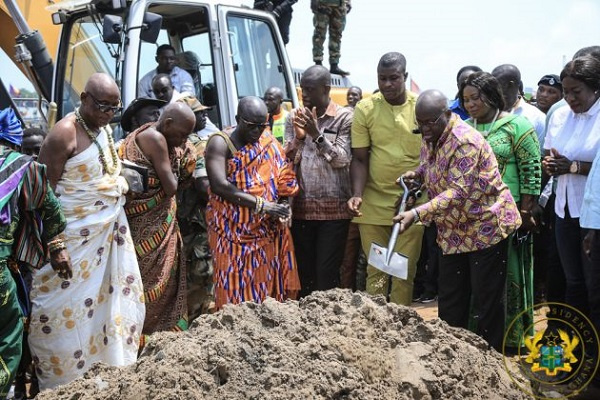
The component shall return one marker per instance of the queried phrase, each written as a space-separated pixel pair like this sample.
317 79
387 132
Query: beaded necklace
93 138
486 132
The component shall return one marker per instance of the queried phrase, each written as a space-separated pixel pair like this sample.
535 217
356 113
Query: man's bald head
100 100
318 75
273 98
176 122
251 118
274 91
432 114
178 111
508 72
316 85
252 109
102 83
162 87
431 101
509 77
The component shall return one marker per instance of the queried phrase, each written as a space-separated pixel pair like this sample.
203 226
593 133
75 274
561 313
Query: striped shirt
323 170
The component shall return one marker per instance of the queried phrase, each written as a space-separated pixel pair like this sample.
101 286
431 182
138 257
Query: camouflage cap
194 103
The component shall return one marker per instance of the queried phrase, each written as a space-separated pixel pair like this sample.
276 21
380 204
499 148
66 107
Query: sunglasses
255 125
105 108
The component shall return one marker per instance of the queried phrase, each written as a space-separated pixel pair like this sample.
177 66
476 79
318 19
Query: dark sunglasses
105 108
253 125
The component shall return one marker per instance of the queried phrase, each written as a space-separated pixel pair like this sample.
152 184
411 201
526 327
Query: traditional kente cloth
158 245
24 190
97 316
253 254
517 150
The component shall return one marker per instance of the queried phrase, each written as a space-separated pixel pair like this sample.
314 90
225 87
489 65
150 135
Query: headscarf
10 127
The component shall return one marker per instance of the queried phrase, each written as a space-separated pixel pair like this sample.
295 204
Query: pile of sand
330 345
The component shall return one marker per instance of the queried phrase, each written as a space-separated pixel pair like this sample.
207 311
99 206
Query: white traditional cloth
577 137
98 315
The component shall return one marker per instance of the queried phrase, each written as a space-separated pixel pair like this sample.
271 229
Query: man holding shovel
383 148
474 213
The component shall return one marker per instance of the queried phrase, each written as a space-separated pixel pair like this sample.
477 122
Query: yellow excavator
238 51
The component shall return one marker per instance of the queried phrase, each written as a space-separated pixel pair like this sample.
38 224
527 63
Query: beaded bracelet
260 205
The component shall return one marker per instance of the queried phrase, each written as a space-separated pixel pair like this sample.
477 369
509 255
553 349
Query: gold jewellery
55 245
93 138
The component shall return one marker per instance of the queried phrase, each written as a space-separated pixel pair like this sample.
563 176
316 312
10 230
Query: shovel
386 259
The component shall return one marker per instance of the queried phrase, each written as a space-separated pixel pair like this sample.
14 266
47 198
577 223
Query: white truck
240 50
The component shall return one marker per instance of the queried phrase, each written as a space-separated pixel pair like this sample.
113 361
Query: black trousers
547 270
482 274
426 279
319 247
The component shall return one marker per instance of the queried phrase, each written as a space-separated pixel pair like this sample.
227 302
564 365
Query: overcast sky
439 36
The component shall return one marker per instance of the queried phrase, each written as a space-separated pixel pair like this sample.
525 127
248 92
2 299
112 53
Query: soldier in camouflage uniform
190 214
332 14
191 207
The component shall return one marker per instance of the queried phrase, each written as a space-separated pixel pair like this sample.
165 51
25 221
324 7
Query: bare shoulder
150 136
65 130
61 140
216 145
151 142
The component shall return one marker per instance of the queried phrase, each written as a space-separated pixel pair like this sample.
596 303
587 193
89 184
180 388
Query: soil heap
330 345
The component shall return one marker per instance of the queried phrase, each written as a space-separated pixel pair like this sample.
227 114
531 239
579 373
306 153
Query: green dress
517 151
26 205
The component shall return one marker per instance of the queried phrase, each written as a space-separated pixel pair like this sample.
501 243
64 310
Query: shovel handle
392 242
396 227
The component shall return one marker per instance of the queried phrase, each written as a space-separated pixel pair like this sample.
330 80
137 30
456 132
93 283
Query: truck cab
239 51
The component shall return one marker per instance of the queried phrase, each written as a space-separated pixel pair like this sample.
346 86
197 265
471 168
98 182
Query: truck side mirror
112 25
151 27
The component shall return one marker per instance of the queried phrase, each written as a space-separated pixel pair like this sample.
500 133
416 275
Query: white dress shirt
577 137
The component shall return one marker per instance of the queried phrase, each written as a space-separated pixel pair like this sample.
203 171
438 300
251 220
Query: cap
551 80
134 107
194 103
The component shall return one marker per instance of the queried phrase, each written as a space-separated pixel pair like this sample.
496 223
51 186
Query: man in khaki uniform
384 148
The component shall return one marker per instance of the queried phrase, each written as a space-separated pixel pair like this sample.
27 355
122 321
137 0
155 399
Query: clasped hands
305 123
556 164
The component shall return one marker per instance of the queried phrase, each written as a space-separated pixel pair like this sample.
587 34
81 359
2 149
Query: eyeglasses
105 108
254 125
430 123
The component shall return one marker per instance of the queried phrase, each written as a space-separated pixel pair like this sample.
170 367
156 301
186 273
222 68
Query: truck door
254 56
186 26
81 53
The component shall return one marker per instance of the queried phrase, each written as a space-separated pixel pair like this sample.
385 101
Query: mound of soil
330 345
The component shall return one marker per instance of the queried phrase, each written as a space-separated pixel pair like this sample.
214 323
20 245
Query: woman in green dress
517 150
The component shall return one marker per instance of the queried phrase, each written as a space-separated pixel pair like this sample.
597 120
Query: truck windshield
256 62
86 54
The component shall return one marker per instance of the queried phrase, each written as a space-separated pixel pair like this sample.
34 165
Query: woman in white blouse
572 141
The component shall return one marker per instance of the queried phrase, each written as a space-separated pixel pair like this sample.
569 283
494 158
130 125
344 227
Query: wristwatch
319 139
574 168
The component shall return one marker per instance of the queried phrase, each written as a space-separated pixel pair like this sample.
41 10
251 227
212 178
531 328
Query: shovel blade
398 265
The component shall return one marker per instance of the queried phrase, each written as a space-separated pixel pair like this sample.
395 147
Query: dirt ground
330 345
427 311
